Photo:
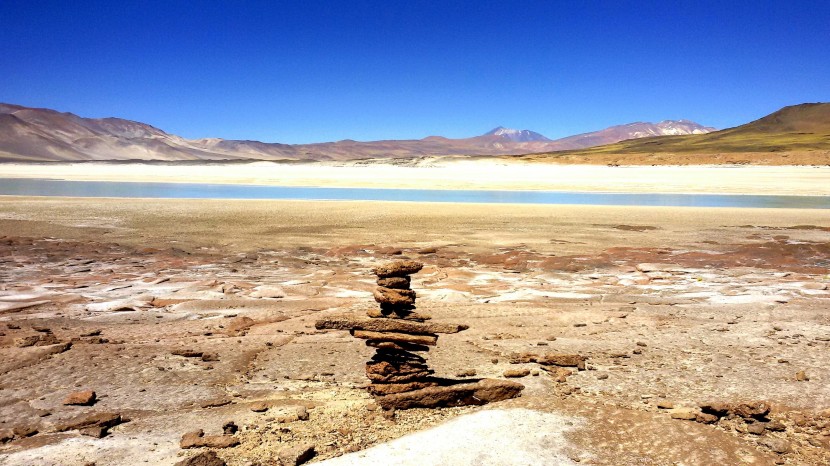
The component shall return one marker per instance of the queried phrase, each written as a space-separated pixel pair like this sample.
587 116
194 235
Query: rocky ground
705 332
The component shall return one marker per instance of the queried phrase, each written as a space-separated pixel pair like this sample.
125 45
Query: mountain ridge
795 134
42 135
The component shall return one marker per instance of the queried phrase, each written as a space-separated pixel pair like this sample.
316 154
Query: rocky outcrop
400 378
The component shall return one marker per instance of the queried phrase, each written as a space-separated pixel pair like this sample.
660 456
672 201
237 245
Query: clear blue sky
310 71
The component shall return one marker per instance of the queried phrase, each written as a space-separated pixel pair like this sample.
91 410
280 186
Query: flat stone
297 455
399 268
381 389
259 407
756 428
198 438
428 340
82 398
401 283
93 420
207 458
387 325
552 359
187 353
394 297
464 394
777 445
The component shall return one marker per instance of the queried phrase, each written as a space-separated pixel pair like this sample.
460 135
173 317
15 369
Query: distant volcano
516 135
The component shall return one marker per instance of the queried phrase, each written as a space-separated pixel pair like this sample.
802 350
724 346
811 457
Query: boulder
464 394
387 325
399 268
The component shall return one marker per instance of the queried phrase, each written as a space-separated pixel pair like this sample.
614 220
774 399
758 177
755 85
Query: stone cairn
399 377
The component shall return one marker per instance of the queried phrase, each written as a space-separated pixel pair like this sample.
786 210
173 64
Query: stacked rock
395 367
398 332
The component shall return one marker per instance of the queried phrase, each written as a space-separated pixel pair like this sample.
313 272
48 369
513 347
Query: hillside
798 134
45 135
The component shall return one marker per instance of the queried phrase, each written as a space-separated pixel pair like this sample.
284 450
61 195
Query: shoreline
489 175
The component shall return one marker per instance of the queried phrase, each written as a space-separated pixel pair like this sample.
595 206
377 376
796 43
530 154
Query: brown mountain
798 134
43 135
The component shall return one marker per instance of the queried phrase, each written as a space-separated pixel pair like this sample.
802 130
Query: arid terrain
706 331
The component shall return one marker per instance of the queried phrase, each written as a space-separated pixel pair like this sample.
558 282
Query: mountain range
796 134
44 135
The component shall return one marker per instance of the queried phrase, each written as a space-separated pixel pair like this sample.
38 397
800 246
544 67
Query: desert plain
705 330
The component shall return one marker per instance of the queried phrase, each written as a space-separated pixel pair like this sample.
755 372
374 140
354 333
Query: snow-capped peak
516 135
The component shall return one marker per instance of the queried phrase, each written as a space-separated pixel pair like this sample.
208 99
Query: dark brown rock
706 418
207 458
396 345
387 372
399 268
394 297
476 393
401 283
230 428
387 325
187 353
24 431
6 435
428 340
107 420
95 431
756 428
398 313
82 398
210 357
716 408
297 455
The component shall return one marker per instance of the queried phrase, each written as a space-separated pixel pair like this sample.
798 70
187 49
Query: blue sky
311 71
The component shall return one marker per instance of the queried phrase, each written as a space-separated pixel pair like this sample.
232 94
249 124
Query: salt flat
450 173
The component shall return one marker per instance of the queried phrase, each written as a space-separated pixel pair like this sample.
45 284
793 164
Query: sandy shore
455 174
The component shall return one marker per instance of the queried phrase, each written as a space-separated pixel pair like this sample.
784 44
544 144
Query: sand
448 173
735 306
